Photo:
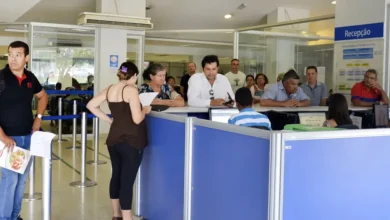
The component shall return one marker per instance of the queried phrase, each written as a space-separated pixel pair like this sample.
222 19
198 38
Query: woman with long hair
338 113
127 136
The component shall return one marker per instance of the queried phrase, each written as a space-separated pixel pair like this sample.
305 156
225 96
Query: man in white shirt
209 88
236 78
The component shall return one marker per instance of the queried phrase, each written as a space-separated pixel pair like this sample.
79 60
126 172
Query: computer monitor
315 119
222 115
381 115
281 119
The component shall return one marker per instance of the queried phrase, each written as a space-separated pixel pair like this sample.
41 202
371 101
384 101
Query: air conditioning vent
119 21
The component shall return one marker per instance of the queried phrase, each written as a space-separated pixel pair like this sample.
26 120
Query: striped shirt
250 118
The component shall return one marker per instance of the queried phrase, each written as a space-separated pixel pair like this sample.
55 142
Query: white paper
147 98
41 144
16 161
356 120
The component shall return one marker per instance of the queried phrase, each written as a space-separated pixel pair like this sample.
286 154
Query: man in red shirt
368 92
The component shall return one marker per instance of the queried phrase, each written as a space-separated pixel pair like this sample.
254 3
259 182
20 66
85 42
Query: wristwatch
39 116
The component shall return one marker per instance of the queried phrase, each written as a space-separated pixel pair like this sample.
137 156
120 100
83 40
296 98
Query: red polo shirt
361 92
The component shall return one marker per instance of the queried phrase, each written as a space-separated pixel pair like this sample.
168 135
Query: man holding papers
17 122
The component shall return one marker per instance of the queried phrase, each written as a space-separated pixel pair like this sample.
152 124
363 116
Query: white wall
110 42
122 7
352 12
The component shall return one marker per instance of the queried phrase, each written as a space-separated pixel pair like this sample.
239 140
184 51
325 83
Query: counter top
258 108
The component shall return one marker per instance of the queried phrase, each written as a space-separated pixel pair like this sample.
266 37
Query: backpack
2 82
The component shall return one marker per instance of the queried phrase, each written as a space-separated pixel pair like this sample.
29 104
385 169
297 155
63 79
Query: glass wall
174 49
63 55
276 50
8 34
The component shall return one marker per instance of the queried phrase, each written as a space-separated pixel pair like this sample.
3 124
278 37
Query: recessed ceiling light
228 16
334 2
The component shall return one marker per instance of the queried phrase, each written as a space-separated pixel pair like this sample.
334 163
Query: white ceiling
165 14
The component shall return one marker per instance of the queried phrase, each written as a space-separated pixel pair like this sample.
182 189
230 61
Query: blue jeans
12 185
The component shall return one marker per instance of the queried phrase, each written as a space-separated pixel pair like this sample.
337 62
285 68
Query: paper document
147 98
41 144
16 161
356 120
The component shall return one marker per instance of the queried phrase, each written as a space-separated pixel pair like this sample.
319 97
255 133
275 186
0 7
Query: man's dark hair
210 59
244 97
234 60
191 62
291 74
372 71
20 44
58 86
312 68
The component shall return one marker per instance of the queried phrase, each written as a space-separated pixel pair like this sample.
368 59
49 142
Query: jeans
12 185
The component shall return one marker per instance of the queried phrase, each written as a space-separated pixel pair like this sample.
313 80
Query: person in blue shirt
285 93
248 117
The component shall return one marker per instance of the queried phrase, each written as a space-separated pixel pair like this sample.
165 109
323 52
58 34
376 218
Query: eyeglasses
211 93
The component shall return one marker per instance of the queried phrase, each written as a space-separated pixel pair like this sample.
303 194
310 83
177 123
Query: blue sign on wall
359 32
114 61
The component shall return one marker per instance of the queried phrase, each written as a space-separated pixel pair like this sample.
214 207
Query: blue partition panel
230 175
162 172
337 179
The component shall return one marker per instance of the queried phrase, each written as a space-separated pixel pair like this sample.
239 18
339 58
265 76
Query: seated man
317 91
368 91
247 116
286 93
209 88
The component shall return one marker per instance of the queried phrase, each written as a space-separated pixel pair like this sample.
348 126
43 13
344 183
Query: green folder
300 127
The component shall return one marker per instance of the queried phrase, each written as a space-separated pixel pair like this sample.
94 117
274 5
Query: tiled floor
69 203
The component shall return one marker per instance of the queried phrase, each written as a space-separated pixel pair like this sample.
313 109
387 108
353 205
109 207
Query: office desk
258 108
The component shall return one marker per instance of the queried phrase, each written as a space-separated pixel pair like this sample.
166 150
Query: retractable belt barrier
46 163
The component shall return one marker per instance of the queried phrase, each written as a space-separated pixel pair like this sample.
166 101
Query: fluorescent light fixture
334 2
227 16
304 32
15 30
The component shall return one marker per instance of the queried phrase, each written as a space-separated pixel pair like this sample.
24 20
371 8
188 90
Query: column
359 43
113 42
281 52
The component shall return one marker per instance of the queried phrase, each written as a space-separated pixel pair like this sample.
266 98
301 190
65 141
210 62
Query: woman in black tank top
127 136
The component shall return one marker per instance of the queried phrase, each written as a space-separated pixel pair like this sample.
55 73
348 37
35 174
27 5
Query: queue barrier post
74 129
60 104
84 182
96 143
32 195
